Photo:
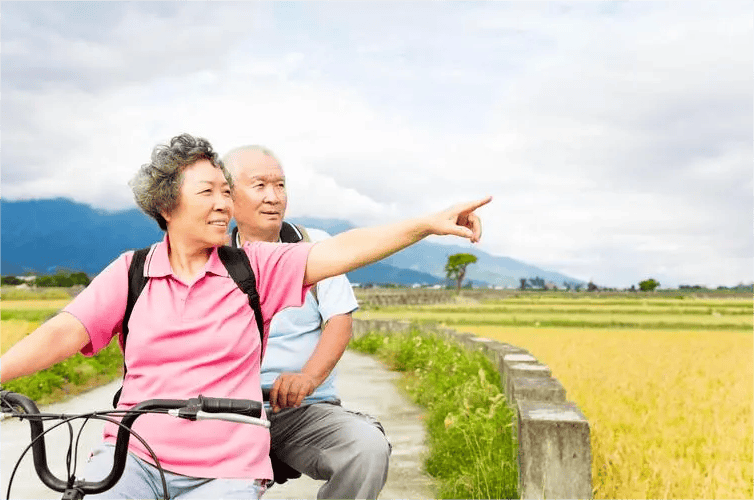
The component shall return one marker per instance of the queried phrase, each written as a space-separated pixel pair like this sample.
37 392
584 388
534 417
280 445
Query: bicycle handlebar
234 410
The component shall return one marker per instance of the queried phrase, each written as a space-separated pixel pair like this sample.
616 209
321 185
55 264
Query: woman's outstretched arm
55 340
358 247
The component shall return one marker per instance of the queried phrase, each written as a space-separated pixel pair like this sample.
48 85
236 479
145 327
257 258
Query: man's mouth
221 223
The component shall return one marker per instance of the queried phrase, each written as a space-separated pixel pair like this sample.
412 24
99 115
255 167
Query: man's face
259 195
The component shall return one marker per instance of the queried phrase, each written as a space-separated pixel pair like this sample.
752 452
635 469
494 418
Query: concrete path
364 383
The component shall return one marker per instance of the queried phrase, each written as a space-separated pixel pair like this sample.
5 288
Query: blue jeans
142 480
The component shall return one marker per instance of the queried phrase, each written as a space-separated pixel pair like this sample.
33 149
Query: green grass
13 293
472 450
658 314
39 315
560 308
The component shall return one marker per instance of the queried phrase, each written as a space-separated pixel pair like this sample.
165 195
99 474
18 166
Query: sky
615 137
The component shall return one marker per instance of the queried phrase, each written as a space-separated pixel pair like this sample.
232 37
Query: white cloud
615 137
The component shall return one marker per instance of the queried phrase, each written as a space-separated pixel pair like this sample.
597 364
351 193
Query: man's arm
290 389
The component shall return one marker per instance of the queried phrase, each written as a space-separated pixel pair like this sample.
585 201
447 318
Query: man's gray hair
230 158
157 184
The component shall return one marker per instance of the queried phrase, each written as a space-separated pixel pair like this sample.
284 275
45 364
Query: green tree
648 285
11 280
455 269
537 282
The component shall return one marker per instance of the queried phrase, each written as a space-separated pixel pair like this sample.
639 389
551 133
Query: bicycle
15 405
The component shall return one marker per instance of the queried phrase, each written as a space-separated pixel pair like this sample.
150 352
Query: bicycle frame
201 408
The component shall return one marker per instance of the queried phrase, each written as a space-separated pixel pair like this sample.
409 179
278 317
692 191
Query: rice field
667 384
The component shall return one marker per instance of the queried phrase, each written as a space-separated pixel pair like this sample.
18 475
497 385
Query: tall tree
456 267
648 285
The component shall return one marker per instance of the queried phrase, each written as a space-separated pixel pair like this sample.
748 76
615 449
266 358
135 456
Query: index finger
473 205
274 393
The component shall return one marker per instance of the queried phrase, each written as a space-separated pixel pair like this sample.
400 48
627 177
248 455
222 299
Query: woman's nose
223 202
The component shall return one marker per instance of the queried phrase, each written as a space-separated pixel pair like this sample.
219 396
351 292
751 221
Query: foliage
537 282
455 268
648 285
572 285
10 280
472 450
62 278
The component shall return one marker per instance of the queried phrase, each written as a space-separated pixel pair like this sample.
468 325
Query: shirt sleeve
335 296
100 307
279 270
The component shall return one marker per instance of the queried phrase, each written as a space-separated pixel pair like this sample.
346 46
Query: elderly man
310 431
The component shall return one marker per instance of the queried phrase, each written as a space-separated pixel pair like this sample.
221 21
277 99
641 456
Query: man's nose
271 195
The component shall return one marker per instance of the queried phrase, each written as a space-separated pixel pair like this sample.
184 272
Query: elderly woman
192 331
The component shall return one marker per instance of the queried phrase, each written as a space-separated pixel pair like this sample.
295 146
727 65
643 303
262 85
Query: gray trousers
325 441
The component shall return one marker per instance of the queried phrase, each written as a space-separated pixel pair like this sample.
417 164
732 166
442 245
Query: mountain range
41 236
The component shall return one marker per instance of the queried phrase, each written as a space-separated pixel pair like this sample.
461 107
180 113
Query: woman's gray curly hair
157 184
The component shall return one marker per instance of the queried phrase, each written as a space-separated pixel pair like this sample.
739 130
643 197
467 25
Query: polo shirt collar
158 262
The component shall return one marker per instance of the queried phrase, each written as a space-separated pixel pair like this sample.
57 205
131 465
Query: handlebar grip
247 407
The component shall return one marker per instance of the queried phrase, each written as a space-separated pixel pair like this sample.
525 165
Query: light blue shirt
295 331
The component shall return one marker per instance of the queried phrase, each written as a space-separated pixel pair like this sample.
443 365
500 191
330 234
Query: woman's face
204 207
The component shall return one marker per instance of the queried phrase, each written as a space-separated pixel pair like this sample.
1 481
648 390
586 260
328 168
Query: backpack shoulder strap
136 283
237 263
290 233
304 234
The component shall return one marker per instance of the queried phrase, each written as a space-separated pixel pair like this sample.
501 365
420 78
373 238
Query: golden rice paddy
670 409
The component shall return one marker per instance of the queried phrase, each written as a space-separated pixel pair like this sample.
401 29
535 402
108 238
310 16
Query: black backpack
234 260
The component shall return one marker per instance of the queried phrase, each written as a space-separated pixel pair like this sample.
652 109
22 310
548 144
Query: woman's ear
165 215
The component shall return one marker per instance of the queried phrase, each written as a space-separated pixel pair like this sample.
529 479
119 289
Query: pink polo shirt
187 339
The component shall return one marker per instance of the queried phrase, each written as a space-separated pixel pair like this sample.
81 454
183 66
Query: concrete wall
554 448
